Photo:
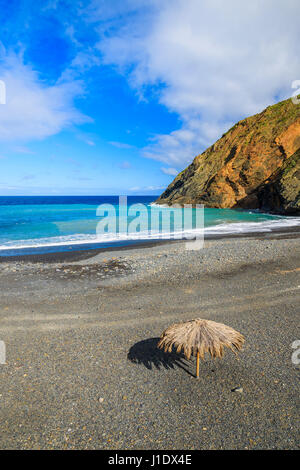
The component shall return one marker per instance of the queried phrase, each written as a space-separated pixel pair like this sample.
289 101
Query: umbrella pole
197 365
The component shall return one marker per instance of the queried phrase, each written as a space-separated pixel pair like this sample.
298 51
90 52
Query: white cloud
169 171
121 145
217 61
155 188
114 11
34 110
22 149
82 62
146 188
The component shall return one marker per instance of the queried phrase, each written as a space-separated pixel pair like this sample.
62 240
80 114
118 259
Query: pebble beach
82 367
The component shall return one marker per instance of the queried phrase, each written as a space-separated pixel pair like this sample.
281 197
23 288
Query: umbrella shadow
147 353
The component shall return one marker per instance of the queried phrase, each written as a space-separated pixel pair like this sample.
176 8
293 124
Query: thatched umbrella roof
196 337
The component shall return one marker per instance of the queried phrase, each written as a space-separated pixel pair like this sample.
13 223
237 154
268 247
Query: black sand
82 366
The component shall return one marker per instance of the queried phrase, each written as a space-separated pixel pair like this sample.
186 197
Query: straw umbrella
196 337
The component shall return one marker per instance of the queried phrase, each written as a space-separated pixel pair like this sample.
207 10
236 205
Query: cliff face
255 165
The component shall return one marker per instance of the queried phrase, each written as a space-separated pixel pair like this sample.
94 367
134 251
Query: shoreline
72 254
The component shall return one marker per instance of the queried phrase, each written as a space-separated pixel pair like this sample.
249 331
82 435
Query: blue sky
117 97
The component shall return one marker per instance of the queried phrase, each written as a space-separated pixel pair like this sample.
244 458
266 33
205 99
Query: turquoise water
44 224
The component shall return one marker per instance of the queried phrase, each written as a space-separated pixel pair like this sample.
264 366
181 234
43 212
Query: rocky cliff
255 165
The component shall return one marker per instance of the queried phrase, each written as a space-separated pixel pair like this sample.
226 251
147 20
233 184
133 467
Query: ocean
44 224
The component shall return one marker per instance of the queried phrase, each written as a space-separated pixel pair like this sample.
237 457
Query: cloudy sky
117 96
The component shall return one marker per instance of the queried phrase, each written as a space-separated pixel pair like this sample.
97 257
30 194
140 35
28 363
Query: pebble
238 389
